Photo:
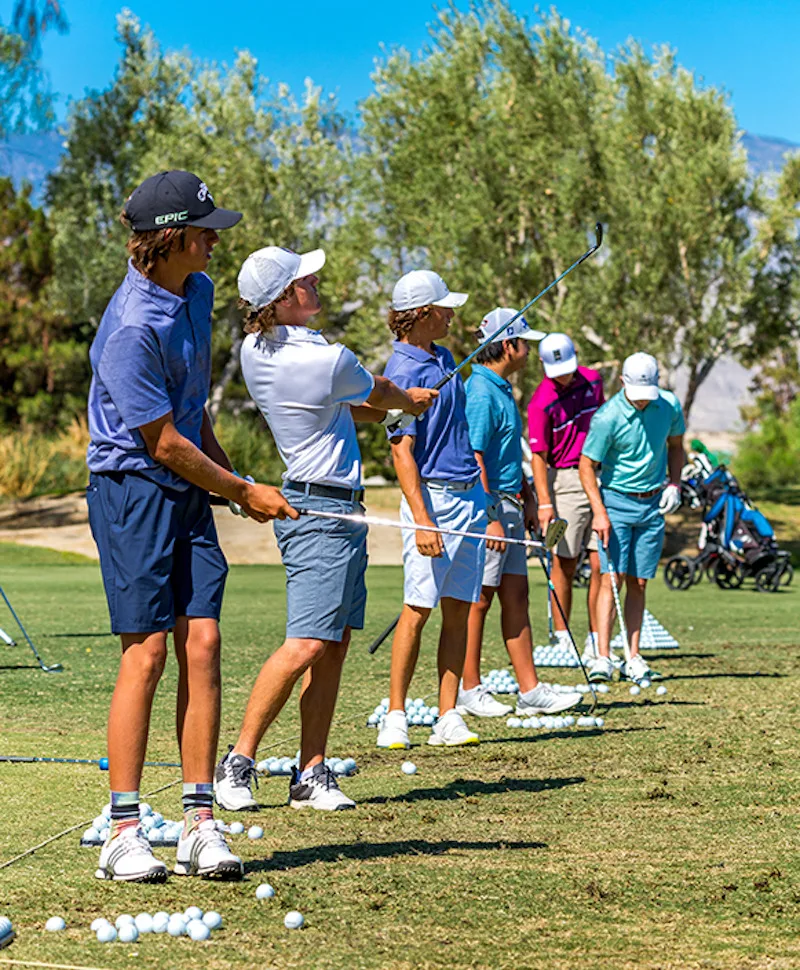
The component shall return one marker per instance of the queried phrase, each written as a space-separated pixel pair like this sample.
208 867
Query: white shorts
458 572
512 561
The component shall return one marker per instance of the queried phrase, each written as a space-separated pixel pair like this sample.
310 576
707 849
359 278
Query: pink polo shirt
559 417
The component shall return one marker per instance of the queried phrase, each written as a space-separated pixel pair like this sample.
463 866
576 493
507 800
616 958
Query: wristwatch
491 508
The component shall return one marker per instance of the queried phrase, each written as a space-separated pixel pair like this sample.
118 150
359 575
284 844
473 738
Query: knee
416 616
567 566
305 653
636 585
203 650
149 661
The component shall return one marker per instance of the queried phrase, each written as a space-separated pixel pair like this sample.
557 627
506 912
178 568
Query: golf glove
670 500
396 420
234 506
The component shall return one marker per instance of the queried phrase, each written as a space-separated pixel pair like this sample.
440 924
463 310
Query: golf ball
408 768
599 721
197 930
192 912
644 684
264 891
635 689
293 920
103 763
661 690
106 933
212 920
97 923
144 923
237 828
255 832
160 922
55 924
125 918
128 933
176 927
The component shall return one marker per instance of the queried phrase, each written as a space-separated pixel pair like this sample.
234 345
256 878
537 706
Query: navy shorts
325 562
159 553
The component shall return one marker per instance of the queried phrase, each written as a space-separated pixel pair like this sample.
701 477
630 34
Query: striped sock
124 811
198 804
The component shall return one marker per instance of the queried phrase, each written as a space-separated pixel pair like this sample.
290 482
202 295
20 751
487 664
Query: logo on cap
203 193
556 355
169 217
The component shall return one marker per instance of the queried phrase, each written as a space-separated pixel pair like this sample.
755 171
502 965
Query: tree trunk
698 372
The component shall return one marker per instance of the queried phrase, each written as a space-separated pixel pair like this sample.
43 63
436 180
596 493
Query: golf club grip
383 636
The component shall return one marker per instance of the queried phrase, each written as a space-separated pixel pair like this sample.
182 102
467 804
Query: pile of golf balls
558 654
283 766
418 713
500 682
549 722
193 922
157 829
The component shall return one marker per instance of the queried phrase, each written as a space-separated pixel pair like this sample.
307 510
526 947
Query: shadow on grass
20 667
464 787
53 636
661 657
569 734
732 676
377 850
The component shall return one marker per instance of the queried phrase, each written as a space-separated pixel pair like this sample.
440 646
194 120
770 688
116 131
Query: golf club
403 419
29 759
626 647
552 537
52 668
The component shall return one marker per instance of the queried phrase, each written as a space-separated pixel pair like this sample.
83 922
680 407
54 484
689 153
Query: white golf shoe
320 791
544 700
393 733
600 669
479 702
204 852
127 857
233 780
450 730
638 669
590 651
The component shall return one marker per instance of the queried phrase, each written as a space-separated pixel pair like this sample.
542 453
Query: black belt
327 491
650 494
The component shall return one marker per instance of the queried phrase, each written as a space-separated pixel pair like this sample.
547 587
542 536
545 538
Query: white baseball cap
423 287
266 273
493 323
558 355
640 377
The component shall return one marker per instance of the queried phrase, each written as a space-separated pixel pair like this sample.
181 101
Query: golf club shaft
626 647
53 668
383 636
29 759
375 520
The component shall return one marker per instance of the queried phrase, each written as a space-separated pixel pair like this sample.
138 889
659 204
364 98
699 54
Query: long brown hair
263 319
401 322
146 248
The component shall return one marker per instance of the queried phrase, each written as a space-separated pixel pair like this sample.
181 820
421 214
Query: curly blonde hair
401 322
148 247
263 319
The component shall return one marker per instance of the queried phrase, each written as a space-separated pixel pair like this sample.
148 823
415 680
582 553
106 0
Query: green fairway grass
668 839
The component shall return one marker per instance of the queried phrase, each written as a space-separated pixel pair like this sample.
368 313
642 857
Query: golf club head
52 668
598 232
555 532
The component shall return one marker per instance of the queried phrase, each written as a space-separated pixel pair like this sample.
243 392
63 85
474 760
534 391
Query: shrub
768 459
33 464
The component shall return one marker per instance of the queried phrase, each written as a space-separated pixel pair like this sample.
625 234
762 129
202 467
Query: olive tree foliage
491 155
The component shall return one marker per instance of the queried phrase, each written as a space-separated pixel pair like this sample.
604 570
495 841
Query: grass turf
666 840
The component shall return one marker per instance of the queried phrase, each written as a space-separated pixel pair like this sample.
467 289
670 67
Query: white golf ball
97 923
176 927
128 933
434 711
661 690
106 933
255 832
293 920
585 721
599 721
212 920
514 722
125 918
197 930
160 922
408 768
602 688
55 924
635 689
264 891
237 828
144 923
644 683
192 912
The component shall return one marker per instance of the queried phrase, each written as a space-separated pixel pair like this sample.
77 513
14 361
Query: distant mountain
766 154
31 158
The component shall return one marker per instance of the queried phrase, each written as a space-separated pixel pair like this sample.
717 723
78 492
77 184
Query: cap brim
568 366
452 300
532 334
311 262
218 219
641 392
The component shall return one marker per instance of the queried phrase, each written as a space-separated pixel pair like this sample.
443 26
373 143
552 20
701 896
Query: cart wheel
583 574
768 579
786 574
679 572
728 575
697 573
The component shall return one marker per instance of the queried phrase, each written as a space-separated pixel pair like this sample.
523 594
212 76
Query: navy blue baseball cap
171 200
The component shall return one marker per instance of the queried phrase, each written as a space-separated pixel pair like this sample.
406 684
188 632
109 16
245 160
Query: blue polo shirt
631 445
151 355
495 428
442 448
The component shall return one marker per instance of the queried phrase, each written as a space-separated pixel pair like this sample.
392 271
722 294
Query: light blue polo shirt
495 428
151 355
442 449
631 445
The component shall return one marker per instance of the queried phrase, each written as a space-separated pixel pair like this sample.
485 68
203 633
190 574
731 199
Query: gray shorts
571 503
325 562
511 562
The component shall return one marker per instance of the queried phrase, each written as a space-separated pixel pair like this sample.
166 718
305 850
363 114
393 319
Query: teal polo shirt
631 445
495 428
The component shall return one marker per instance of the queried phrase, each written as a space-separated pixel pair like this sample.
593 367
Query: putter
552 537
550 629
52 668
403 420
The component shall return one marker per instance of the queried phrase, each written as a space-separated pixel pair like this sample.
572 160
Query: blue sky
747 47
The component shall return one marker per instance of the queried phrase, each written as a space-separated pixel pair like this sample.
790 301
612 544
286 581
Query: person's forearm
409 481
539 469
484 473
526 491
588 477
185 459
676 459
386 395
365 414
211 446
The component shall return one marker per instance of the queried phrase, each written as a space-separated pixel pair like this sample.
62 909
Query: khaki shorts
570 503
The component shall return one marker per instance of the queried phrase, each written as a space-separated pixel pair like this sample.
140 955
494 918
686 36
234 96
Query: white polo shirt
304 387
